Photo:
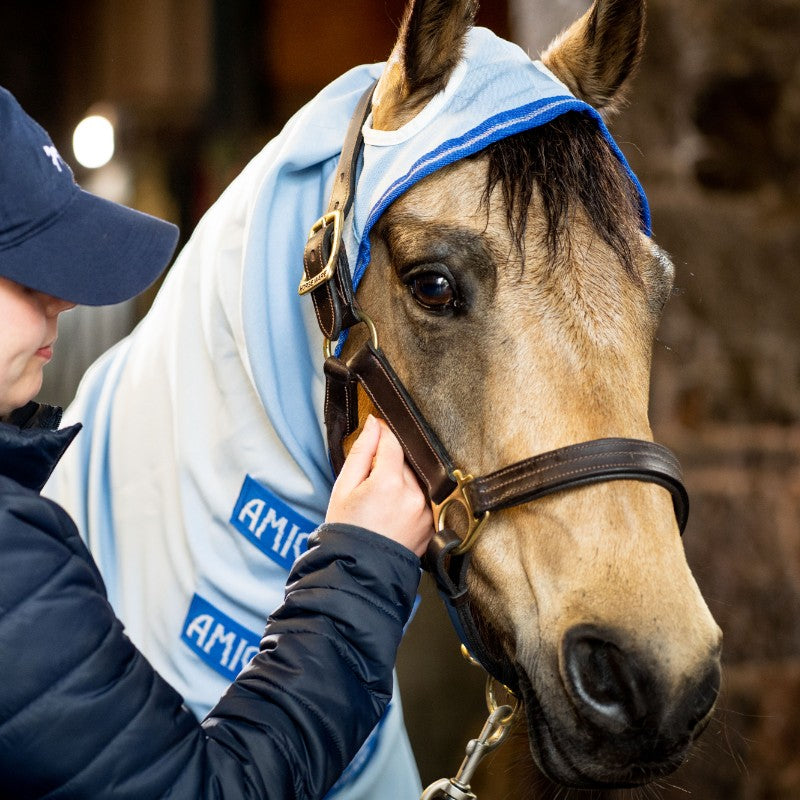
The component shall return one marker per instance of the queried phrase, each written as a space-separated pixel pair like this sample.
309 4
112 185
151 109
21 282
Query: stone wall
743 545
719 99
713 131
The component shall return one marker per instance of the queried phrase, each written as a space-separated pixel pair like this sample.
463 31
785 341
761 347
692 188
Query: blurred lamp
93 141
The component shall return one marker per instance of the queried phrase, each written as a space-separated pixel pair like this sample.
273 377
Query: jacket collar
30 447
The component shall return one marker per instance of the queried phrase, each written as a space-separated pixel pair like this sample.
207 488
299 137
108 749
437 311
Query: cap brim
95 253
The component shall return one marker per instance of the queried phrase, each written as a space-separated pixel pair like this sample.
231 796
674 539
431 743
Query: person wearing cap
82 712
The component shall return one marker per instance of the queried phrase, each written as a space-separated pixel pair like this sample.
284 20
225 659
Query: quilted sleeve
325 665
84 715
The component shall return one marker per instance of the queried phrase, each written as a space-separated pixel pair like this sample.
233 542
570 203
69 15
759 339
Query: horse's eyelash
436 268
417 268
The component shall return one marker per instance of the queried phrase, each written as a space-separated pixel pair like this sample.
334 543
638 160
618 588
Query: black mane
572 165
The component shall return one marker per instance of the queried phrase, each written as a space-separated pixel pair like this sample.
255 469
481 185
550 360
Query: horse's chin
572 758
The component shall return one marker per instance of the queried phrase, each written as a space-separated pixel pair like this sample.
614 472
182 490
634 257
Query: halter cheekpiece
327 277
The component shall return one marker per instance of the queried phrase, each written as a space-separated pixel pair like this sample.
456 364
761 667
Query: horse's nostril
615 691
698 701
607 685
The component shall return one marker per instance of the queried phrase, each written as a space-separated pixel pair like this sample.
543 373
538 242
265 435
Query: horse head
517 298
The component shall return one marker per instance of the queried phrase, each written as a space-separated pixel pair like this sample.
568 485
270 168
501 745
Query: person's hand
376 489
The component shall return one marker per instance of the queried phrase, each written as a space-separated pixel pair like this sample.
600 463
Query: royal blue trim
499 126
644 206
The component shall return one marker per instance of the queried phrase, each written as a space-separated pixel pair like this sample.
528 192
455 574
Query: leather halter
328 279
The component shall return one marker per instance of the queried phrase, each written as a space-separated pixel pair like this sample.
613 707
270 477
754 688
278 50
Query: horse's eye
433 291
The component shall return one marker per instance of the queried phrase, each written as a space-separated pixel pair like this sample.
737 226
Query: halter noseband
328 279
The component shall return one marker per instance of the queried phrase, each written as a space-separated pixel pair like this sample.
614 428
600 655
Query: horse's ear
600 51
428 48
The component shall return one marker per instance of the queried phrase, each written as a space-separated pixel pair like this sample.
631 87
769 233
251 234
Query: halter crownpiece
328 279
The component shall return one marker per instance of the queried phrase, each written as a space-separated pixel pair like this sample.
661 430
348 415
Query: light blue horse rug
203 466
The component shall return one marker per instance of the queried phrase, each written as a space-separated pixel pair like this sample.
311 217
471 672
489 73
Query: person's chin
26 389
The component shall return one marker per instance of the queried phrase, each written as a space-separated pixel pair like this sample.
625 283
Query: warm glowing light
93 141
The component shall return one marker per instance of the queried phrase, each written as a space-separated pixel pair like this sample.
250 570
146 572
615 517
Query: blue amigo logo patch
221 642
275 528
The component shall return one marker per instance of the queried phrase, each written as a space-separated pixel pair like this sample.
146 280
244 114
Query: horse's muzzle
622 726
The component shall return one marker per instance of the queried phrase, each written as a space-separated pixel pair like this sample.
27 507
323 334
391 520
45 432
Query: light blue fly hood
203 464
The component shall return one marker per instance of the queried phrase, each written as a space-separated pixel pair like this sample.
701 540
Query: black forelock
572 165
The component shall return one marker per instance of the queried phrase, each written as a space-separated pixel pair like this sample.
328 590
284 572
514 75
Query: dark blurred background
196 87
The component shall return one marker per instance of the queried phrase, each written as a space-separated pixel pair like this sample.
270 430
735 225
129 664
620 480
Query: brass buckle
309 284
459 496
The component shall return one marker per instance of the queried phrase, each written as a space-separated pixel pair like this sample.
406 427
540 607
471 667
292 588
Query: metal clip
309 284
458 788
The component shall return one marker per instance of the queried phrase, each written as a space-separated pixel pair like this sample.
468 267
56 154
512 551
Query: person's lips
45 352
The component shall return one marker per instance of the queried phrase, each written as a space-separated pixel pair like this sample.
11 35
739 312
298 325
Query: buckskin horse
503 328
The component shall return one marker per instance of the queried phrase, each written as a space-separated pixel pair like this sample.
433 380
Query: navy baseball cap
58 239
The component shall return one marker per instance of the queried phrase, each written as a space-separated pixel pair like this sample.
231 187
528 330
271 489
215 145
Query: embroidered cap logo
53 154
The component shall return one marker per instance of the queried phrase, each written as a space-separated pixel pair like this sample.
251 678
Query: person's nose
53 306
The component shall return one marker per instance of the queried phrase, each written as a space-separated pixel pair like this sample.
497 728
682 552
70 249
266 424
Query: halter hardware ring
469 658
458 495
491 699
492 705
327 344
337 219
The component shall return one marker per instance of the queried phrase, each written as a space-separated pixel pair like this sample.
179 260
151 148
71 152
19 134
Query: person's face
28 329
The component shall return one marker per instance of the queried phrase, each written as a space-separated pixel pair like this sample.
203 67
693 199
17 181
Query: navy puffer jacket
84 715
